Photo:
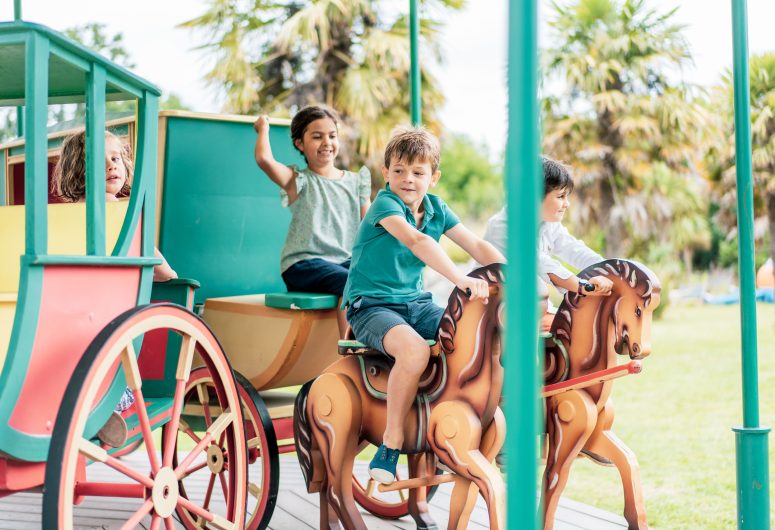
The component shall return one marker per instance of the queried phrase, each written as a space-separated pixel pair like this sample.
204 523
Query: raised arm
279 173
431 253
479 249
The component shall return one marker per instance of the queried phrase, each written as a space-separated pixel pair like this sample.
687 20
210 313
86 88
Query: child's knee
414 356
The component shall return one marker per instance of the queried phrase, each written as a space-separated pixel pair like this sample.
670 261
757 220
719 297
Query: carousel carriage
75 317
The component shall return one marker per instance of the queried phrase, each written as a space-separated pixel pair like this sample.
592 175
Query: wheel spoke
193 469
213 431
184 427
255 442
177 407
98 454
370 485
209 492
255 490
134 521
132 373
203 392
169 523
186 356
212 518
155 522
224 487
402 494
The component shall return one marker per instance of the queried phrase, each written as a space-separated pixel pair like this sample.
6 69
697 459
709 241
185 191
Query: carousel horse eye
637 311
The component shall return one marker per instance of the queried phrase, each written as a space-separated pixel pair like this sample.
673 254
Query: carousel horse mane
492 274
629 277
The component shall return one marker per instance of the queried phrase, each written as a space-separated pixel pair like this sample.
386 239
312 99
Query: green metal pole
522 190
414 75
753 500
17 15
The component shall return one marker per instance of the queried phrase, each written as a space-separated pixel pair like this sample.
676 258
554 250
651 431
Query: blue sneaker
383 466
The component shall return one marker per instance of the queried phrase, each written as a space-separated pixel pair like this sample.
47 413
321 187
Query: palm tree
353 55
621 112
722 155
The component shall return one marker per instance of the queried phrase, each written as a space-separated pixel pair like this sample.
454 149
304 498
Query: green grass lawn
677 417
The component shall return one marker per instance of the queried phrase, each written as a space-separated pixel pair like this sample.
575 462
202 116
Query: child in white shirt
554 241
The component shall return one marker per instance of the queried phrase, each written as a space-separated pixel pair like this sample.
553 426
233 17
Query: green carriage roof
68 64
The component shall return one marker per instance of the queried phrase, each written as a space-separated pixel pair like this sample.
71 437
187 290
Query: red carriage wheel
154 487
200 410
388 505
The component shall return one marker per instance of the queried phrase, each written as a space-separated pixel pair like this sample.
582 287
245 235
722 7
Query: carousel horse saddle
375 367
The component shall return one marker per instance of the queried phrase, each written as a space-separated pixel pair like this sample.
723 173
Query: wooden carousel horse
589 333
455 418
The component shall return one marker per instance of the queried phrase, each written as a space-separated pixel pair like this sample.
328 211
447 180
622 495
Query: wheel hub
215 459
165 492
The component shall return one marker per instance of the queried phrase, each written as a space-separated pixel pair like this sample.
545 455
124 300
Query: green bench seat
301 301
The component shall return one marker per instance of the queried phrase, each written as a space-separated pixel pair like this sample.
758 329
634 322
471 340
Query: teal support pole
522 191
751 440
414 75
95 161
36 146
17 15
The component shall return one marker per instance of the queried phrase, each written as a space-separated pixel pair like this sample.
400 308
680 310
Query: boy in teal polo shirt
386 305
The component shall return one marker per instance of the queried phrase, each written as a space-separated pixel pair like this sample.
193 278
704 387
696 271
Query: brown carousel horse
455 417
580 420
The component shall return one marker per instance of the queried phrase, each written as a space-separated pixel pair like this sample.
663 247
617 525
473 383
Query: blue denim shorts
372 318
317 276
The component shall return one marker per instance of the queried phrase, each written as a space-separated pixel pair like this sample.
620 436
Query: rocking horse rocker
455 418
588 334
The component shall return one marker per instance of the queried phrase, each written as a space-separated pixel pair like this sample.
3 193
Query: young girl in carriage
69 184
554 240
326 204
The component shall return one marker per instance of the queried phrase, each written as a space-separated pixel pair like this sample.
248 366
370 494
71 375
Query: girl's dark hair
307 115
69 179
556 176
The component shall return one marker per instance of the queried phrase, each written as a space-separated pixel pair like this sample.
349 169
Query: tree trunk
614 229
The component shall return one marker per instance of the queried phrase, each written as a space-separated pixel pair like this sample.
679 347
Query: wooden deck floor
296 509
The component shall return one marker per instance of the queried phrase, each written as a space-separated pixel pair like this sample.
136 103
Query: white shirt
555 241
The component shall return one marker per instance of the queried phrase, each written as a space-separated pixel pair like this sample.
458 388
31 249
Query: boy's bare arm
479 249
279 173
431 253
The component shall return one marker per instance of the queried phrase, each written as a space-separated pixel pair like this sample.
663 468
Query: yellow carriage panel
66 235
272 347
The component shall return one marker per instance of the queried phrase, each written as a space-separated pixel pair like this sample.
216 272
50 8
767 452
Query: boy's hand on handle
261 124
603 286
474 288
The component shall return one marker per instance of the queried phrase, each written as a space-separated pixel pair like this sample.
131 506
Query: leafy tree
275 56
721 157
620 114
470 183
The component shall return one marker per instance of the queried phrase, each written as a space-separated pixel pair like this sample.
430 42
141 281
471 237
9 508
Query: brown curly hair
69 182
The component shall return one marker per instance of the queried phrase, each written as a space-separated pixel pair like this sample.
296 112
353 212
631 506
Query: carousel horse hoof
383 466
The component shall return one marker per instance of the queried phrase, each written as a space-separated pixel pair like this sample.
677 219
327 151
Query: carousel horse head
634 297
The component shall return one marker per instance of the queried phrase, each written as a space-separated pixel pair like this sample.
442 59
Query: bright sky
473 75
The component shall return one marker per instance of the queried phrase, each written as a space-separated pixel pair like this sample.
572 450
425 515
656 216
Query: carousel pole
17 16
414 76
751 440
523 193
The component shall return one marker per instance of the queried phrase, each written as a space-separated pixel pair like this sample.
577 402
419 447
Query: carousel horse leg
421 465
570 420
328 518
492 442
606 444
334 409
455 434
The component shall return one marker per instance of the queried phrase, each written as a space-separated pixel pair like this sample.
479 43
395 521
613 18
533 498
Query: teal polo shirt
383 267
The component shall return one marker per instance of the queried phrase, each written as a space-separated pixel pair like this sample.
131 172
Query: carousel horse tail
306 449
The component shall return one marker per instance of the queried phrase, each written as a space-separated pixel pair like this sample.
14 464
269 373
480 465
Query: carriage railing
40 66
